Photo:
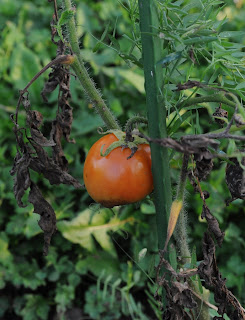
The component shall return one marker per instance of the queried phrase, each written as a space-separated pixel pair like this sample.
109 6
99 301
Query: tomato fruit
114 180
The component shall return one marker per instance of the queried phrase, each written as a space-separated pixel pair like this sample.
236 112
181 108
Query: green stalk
181 226
83 76
152 52
216 97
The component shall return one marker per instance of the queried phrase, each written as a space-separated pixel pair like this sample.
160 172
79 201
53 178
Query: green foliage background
98 265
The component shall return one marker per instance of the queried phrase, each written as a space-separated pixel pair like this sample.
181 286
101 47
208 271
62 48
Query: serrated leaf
65 17
88 225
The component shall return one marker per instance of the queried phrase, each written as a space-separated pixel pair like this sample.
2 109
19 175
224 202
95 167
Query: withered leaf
213 225
22 179
65 120
39 138
34 118
55 77
182 295
48 219
58 153
51 171
235 179
207 267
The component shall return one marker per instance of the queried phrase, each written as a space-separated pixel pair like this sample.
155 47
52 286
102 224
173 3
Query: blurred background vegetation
104 272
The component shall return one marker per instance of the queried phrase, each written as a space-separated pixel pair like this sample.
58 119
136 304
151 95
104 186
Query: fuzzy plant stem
83 76
152 52
129 125
181 236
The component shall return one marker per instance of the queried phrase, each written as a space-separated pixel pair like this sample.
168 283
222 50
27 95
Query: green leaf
101 260
32 228
240 86
24 66
197 40
229 34
137 80
4 305
65 17
36 308
147 208
114 42
169 58
179 122
88 225
98 44
173 257
5 255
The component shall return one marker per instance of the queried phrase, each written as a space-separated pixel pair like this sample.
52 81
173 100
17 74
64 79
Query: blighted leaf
39 138
213 225
55 77
65 119
48 219
22 179
51 171
182 295
235 179
34 118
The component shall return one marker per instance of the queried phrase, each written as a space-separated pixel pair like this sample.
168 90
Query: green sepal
121 136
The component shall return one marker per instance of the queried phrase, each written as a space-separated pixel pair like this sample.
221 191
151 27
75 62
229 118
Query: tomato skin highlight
115 180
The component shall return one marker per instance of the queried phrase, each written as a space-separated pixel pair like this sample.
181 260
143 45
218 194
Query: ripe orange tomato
113 180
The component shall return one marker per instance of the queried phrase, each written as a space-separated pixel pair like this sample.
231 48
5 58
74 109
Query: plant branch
181 235
216 97
83 76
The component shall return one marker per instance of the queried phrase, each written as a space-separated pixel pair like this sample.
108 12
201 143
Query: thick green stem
151 49
83 76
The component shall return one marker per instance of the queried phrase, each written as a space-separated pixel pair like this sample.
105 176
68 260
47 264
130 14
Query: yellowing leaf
88 225
174 214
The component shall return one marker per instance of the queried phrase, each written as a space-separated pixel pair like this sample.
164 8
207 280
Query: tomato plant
115 180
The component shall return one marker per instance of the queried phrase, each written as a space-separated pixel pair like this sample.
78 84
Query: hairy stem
181 227
83 76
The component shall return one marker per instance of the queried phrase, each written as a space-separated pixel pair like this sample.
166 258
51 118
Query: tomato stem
83 76
130 123
181 235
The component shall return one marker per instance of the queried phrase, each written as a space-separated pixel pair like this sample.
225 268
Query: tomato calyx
123 143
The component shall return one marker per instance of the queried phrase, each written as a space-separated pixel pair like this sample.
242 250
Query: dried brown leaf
48 219
213 225
51 171
22 179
